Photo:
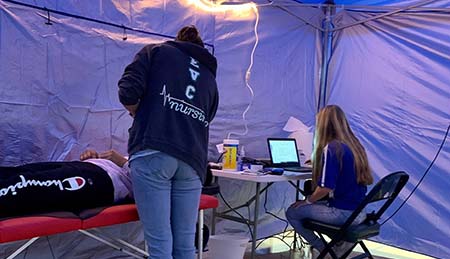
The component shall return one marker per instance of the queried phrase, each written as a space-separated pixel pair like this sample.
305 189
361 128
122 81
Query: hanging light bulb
224 6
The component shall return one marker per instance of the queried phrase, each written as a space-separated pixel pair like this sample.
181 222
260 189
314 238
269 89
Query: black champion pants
53 186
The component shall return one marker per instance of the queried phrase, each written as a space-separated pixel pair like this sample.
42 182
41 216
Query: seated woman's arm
318 194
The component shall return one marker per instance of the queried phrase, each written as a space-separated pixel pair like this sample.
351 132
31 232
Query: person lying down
99 179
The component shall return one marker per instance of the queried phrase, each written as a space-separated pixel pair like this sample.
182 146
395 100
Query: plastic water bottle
241 155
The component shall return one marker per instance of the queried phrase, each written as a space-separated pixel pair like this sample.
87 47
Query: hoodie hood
199 53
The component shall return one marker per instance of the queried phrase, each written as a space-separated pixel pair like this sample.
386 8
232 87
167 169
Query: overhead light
223 6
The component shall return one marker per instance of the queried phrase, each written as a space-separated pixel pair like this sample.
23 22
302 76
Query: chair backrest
385 191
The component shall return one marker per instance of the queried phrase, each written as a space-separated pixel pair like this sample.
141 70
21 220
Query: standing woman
340 170
170 90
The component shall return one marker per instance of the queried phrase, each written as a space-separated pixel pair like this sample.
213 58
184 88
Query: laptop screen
283 151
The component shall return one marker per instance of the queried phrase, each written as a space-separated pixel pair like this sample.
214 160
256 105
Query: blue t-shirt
339 175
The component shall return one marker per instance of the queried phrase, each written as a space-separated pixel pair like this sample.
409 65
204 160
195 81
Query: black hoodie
174 84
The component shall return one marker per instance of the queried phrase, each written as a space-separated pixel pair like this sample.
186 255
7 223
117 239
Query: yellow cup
230 147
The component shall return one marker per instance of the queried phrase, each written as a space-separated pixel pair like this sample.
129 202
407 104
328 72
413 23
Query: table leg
213 223
255 221
296 199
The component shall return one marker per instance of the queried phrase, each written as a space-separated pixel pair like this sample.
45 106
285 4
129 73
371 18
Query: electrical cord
25 253
235 211
51 249
266 211
285 233
229 206
220 157
300 243
290 246
421 179
273 236
247 77
273 215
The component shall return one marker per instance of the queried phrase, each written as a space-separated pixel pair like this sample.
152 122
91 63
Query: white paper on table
302 134
220 148
293 124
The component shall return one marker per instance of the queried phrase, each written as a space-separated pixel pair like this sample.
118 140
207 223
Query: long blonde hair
332 125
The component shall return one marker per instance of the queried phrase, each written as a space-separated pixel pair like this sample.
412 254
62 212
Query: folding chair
382 195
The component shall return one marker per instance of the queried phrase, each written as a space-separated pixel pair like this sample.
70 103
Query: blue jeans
321 212
167 193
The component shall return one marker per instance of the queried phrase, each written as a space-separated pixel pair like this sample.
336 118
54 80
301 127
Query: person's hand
113 156
132 109
87 154
298 204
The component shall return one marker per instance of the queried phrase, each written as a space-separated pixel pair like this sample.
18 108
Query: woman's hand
299 204
87 154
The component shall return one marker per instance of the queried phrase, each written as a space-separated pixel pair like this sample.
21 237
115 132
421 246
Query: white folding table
269 179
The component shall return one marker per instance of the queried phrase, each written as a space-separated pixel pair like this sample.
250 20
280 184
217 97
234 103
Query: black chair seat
353 234
362 231
321 227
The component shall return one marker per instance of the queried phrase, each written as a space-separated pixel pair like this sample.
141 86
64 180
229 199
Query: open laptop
283 154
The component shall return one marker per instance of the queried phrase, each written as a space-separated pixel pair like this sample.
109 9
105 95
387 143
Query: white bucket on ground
227 247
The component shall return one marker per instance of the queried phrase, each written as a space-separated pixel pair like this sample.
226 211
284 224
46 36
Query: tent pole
327 43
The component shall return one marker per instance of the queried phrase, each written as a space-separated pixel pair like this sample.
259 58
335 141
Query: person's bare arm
88 154
318 194
113 156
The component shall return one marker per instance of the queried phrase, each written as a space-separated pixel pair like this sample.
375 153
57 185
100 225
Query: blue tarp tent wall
58 92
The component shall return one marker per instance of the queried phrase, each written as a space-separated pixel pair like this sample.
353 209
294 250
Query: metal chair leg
200 235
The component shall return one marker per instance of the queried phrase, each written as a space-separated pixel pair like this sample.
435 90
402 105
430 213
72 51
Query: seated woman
340 170
97 180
